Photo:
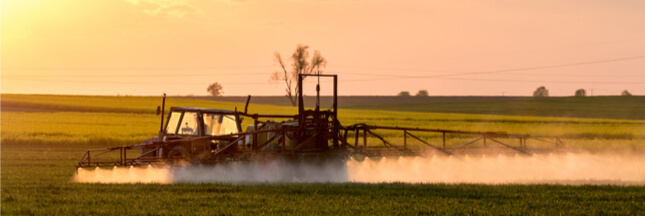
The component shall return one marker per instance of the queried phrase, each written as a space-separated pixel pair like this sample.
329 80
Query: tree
581 93
625 93
541 92
404 94
215 89
300 65
422 93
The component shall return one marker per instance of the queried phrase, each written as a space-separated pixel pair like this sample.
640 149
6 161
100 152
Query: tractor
191 135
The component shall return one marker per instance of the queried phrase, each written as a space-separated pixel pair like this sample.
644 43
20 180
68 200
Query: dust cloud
553 168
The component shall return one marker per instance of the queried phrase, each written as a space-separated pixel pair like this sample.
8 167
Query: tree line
301 64
544 92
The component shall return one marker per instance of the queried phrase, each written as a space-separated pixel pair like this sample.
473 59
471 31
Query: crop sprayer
214 136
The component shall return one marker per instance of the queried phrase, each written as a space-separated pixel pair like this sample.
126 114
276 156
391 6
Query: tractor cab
189 121
193 133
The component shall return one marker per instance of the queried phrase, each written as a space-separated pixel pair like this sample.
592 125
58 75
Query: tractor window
229 125
171 127
189 124
216 124
211 124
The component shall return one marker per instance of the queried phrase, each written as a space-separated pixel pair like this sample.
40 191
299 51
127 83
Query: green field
118 104
40 148
44 187
609 107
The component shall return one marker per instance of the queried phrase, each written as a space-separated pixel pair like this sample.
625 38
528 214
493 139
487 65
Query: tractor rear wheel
179 155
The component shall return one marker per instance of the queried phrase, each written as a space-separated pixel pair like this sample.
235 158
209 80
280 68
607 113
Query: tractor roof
196 109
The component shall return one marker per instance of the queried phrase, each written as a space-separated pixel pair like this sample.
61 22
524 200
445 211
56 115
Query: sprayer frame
318 135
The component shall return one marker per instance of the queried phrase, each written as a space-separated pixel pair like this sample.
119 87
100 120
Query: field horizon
611 107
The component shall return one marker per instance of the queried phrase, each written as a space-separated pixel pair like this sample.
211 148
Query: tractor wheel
358 156
179 155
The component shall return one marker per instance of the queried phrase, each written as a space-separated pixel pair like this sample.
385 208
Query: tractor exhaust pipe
163 108
246 107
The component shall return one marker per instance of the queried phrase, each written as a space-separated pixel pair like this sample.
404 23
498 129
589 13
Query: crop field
44 136
610 107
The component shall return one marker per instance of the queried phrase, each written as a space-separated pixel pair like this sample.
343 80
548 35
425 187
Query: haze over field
463 47
558 168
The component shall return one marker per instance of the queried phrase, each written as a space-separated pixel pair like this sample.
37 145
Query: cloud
166 8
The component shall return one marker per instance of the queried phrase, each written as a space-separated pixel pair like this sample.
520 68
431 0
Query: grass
121 104
409 115
44 187
608 107
110 129
600 107
40 149
76 128
574 128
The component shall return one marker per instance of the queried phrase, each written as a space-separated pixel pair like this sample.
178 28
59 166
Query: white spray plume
556 168
560 168
124 175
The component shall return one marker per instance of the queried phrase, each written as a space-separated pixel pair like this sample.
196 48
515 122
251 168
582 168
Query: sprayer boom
212 136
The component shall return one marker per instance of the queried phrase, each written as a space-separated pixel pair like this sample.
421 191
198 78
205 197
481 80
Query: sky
376 47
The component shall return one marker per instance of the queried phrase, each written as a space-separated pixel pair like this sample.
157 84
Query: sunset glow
462 47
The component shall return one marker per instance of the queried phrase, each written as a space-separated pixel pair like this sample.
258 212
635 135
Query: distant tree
215 89
626 93
581 93
404 94
300 65
541 92
422 93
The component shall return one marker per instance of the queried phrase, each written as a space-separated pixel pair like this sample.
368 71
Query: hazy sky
377 47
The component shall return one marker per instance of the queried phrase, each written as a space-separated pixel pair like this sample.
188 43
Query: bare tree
422 93
625 93
541 92
215 89
404 94
300 65
581 93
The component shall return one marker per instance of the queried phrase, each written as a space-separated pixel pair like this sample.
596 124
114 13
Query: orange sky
377 47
